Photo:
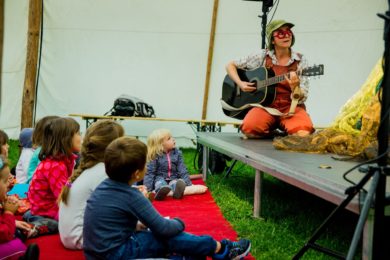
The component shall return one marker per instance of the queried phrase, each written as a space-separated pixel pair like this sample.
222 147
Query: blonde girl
61 140
166 170
89 174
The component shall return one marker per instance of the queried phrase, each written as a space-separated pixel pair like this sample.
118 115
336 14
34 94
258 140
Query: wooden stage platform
302 170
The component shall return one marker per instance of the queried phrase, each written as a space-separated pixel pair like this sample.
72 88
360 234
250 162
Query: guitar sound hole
254 85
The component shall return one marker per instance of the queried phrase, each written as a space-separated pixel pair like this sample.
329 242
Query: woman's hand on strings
247 86
293 80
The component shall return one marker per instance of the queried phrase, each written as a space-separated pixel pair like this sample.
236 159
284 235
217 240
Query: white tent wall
94 51
13 65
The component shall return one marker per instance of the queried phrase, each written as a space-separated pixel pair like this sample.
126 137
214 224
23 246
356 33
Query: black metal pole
363 215
378 242
267 4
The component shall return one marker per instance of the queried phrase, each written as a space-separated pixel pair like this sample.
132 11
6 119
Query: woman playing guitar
279 59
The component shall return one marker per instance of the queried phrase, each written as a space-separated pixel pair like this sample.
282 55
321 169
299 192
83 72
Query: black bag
217 161
126 105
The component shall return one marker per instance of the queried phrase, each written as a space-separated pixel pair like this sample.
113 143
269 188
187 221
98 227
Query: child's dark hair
58 135
123 157
96 139
3 138
38 134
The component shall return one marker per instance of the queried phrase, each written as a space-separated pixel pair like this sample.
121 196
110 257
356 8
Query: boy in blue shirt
120 223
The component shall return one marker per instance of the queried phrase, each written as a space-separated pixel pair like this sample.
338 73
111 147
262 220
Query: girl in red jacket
61 140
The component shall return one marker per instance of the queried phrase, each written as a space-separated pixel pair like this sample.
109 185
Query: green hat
273 26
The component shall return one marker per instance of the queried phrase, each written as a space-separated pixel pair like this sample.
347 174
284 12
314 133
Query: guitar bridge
238 91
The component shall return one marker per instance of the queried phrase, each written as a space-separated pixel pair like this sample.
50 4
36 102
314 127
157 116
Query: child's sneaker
151 196
32 253
234 250
162 192
182 257
179 189
43 227
238 249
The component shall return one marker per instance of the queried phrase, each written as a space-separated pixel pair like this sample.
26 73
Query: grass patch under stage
289 216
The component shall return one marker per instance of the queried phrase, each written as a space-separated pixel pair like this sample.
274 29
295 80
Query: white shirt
22 165
71 216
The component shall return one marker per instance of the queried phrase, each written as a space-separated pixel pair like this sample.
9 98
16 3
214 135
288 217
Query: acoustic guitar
237 103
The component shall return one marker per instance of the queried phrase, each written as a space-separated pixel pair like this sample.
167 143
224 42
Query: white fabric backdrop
94 51
14 64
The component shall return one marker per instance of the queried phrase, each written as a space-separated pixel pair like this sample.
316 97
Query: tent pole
1 40
34 26
210 59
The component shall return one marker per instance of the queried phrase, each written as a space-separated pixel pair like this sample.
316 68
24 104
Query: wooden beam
30 79
1 41
210 59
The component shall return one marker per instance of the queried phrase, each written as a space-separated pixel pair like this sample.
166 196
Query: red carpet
200 213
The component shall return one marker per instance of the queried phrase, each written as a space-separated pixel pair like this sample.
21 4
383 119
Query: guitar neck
259 75
272 81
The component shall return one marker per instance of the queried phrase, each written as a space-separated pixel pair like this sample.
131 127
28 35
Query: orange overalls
258 122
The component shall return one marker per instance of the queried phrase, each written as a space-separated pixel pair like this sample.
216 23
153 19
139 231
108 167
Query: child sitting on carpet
84 180
166 170
120 223
10 246
61 139
23 227
37 139
4 146
25 144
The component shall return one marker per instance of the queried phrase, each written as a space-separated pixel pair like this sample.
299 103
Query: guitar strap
294 100
272 111
295 95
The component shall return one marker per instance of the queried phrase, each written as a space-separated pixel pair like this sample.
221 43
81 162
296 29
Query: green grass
13 152
289 216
